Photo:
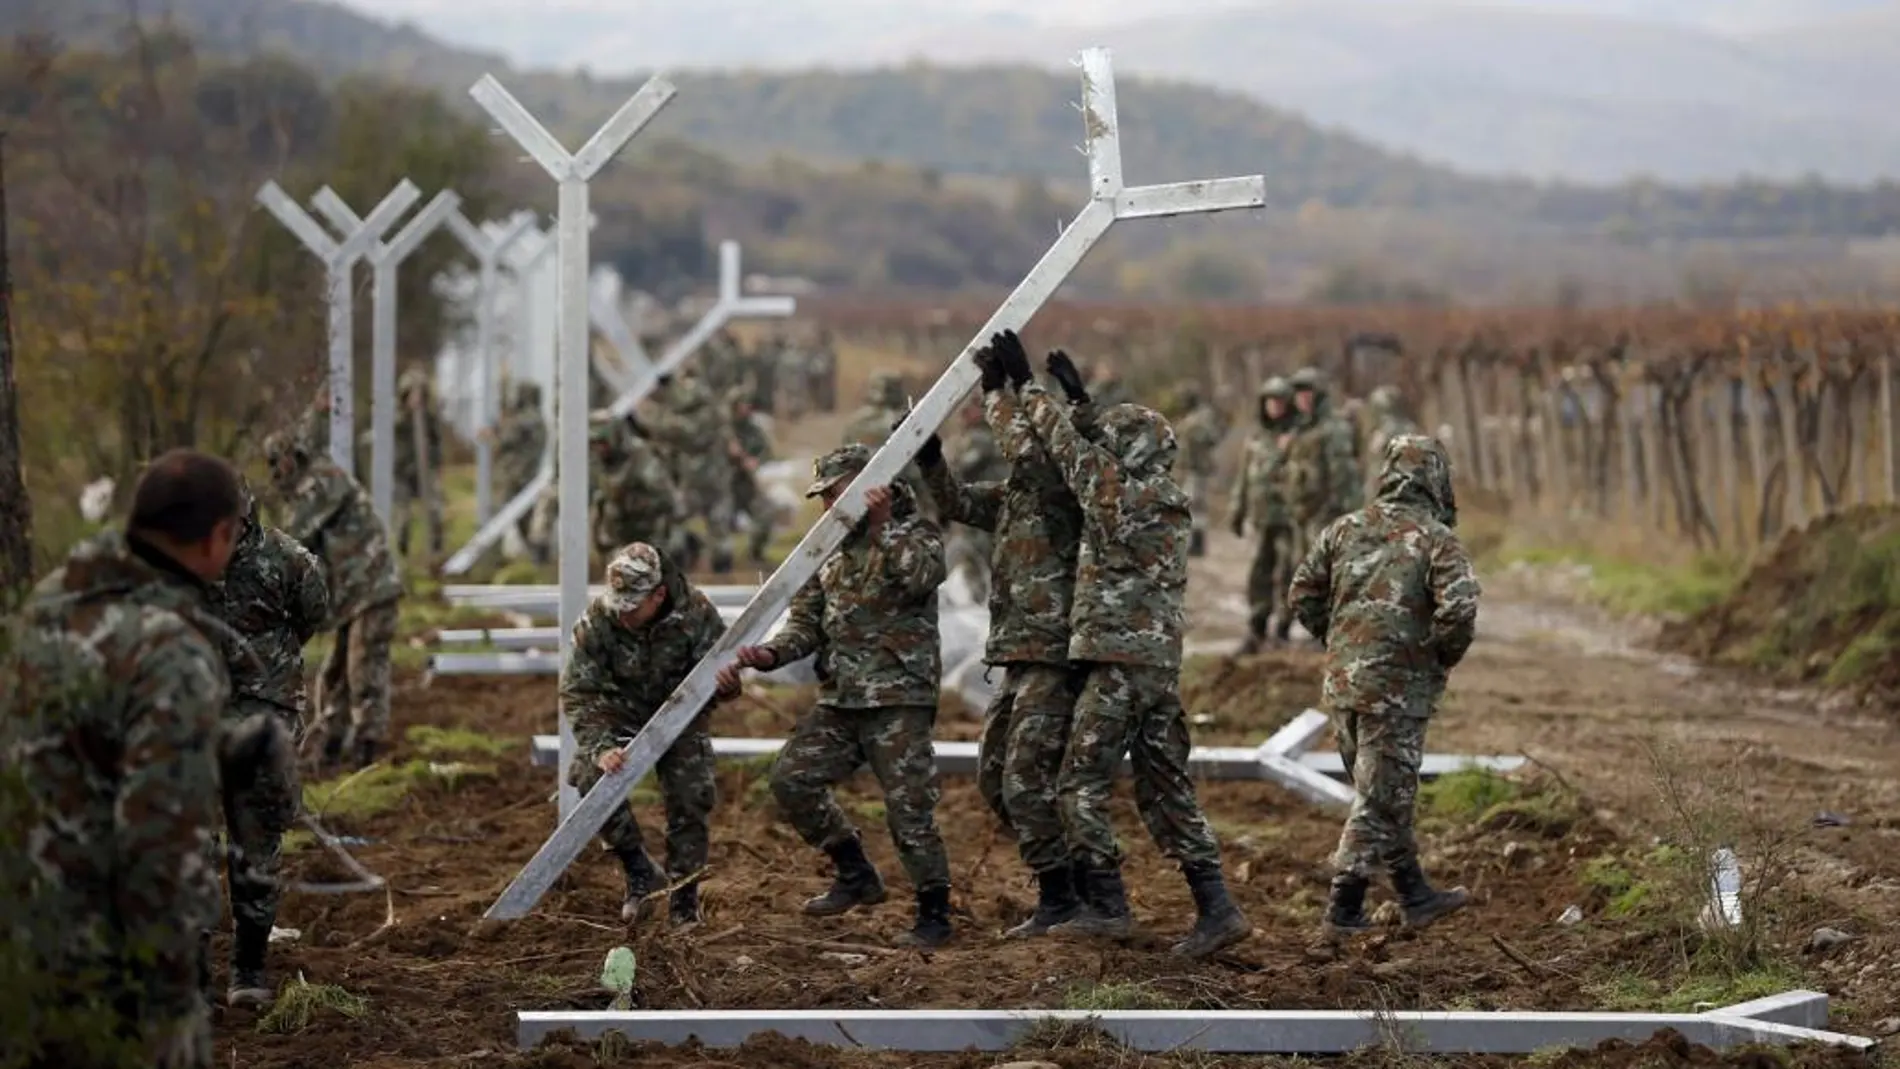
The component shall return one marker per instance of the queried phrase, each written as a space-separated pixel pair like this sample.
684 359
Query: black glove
1009 349
930 454
1063 370
991 366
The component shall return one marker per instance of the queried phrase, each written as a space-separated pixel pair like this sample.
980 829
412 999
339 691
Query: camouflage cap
1308 378
837 466
634 573
1277 386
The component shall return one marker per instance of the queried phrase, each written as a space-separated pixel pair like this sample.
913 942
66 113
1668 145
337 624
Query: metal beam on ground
1282 1032
1109 201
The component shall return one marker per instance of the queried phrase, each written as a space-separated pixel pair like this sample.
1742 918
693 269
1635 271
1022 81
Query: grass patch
300 1002
1117 995
1624 888
1486 800
297 839
1696 991
1465 795
381 788
1631 585
432 741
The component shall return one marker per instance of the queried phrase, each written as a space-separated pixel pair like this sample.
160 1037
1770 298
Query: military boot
682 906
857 882
1421 903
248 985
1104 912
643 878
933 920
1346 910
1220 923
1056 903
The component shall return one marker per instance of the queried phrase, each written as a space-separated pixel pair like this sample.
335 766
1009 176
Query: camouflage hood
1140 438
1417 472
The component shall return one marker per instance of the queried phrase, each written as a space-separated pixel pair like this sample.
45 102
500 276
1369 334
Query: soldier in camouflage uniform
1258 500
312 428
631 494
884 405
274 596
1391 592
418 474
1200 434
692 425
637 641
870 617
520 446
823 365
755 448
977 460
1321 469
1126 629
333 517
1037 529
794 378
110 697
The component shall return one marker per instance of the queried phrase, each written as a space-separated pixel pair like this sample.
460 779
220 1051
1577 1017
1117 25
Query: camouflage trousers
354 682
259 806
1133 710
1025 735
688 792
829 744
1269 577
1382 753
541 521
404 508
969 549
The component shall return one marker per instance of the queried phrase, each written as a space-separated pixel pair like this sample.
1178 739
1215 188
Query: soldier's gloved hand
930 454
1064 371
1009 349
991 366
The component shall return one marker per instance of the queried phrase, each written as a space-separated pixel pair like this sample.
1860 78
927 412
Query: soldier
520 444
1200 442
1125 636
1320 471
312 428
112 686
754 447
870 616
418 461
970 545
1258 500
633 498
693 426
884 404
1038 533
794 378
637 641
275 597
333 518
1390 592
823 364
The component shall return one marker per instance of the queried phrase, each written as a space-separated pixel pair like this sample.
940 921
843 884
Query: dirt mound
1823 607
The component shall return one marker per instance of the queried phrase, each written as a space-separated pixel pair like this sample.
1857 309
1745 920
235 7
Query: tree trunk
16 510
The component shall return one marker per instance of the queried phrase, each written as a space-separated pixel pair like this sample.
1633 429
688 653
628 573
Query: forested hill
1001 121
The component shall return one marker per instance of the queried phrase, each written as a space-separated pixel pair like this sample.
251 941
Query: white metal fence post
488 252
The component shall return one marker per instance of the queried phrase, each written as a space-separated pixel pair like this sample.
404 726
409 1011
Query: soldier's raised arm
308 596
978 505
1091 472
320 495
908 558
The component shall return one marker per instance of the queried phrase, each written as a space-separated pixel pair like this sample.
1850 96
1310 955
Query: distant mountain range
1596 90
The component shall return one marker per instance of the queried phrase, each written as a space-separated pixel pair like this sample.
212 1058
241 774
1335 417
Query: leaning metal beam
1109 201
1204 762
571 173
1285 1032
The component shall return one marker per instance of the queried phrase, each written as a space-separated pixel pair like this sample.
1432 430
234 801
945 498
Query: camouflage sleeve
589 691
1015 439
804 630
978 505
1090 470
535 438
309 595
1310 595
708 628
1342 468
167 809
908 560
319 497
1243 486
1454 599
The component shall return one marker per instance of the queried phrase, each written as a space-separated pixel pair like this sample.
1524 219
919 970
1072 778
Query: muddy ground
1577 692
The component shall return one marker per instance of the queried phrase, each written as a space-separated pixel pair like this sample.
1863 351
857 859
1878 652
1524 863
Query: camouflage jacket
633 497
1131 573
697 435
870 616
333 517
1200 440
406 442
275 595
1259 495
618 677
110 699
1321 468
520 443
1389 590
752 439
313 430
1038 528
